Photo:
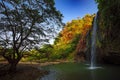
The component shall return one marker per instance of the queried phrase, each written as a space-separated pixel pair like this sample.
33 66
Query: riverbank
26 71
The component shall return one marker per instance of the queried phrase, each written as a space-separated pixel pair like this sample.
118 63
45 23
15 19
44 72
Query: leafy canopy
24 24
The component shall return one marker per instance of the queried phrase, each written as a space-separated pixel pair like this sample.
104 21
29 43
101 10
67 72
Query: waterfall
93 43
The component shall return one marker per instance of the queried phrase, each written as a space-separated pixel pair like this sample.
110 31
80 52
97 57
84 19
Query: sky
72 9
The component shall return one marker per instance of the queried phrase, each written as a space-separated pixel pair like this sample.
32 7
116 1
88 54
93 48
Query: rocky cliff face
108 41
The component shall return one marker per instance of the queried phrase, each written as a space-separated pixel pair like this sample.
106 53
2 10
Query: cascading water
93 42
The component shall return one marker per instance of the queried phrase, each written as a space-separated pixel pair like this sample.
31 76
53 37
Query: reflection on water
93 75
92 68
52 76
72 71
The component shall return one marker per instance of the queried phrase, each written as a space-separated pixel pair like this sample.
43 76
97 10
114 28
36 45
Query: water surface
78 71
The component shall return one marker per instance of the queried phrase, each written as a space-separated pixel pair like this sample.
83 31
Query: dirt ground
25 71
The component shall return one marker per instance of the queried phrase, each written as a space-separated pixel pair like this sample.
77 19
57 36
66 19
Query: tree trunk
13 66
12 59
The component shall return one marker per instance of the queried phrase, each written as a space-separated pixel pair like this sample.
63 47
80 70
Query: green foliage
70 57
108 22
65 44
109 13
39 54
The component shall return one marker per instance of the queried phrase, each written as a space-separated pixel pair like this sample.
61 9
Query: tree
72 38
46 49
25 23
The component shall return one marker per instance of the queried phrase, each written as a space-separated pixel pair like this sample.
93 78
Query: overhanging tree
25 23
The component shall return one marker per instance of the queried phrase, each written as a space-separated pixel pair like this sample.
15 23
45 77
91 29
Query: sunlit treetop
76 27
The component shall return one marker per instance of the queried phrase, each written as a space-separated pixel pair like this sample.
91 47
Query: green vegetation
109 23
109 30
75 37
66 43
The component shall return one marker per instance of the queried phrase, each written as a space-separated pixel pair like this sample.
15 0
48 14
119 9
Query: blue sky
71 9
